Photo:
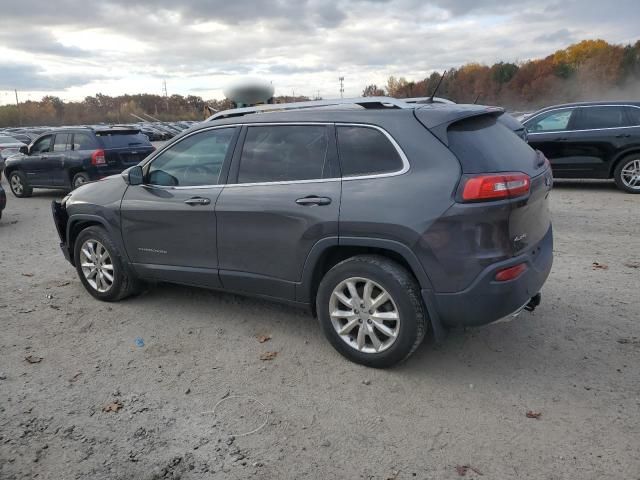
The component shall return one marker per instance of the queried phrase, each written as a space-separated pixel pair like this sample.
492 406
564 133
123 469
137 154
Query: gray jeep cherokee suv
387 220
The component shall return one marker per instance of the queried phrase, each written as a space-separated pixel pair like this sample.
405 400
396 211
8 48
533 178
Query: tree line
588 70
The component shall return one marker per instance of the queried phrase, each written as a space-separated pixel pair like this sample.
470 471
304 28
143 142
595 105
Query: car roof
587 104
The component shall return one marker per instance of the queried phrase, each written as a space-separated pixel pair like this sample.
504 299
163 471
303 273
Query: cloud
30 77
301 44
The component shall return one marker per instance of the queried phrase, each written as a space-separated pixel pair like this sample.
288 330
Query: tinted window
7 140
483 144
633 113
83 141
283 153
42 145
62 142
551 121
123 140
600 117
366 151
196 160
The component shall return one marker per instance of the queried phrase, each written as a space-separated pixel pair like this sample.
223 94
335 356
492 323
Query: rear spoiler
438 118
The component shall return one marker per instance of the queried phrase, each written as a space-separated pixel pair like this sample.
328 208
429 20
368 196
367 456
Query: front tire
101 268
627 174
370 310
19 185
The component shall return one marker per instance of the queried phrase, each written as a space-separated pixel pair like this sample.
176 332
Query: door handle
562 139
197 201
623 135
313 200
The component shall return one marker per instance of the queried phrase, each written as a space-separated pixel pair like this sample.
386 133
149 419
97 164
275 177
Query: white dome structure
249 91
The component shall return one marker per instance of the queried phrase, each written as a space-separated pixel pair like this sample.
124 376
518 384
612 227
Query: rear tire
19 185
79 179
627 174
398 324
101 268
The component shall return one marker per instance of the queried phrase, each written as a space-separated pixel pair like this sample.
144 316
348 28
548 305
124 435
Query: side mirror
24 149
133 175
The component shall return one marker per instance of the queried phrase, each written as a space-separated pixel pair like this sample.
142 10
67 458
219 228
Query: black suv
590 140
68 157
386 220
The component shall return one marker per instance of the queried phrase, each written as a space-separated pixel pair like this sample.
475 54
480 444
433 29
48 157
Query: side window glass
196 160
633 113
283 153
82 141
366 151
600 117
552 121
42 145
61 142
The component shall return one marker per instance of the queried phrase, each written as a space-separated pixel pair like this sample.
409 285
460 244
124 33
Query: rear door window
484 145
593 118
284 153
131 139
366 151
62 142
554 121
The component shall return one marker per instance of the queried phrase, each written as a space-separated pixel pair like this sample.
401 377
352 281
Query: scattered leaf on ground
55 307
63 284
75 376
632 340
599 266
113 406
632 265
264 338
463 469
27 274
27 310
33 359
532 414
268 355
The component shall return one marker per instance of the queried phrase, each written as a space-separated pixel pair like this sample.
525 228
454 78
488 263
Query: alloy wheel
630 174
96 265
79 181
364 315
16 184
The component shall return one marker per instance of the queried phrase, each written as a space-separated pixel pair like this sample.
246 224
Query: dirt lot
184 404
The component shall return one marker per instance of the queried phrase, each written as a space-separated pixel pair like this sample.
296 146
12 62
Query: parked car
66 158
590 140
25 137
8 146
387 221
3 200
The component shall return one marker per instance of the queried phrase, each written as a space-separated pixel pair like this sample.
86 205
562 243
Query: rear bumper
3 199
486 300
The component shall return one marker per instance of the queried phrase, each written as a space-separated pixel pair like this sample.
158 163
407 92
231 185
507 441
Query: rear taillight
495 186
510 273
97 157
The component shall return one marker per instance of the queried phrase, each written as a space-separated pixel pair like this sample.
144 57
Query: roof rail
365 102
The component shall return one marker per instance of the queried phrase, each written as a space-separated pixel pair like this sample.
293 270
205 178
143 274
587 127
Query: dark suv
387 220
590 140
68 157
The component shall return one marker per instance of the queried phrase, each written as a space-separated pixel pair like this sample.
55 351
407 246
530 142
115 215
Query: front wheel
101 268
627 174
19 185
370 310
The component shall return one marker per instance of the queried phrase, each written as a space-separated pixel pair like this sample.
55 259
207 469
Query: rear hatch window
484 145
123 139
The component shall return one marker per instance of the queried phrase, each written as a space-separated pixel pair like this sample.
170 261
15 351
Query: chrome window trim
581 130
405 161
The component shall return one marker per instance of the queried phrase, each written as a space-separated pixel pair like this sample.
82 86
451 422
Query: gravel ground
196 401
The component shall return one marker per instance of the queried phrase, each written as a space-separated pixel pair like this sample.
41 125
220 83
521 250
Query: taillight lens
510 273
97 158
495 186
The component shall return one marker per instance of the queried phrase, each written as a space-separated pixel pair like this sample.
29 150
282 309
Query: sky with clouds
74 48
